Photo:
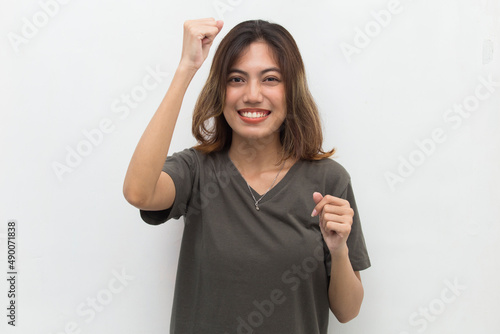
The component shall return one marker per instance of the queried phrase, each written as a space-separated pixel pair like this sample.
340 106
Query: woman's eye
272 80
235 79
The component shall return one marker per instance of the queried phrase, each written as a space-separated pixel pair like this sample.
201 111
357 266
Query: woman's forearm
152 150
345 291
145 167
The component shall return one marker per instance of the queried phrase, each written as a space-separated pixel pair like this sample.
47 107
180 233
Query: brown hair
300 134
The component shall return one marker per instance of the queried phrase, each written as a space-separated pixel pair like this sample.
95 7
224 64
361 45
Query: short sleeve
183 169
358 253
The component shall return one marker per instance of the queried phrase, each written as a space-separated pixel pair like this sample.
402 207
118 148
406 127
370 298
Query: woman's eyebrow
271 69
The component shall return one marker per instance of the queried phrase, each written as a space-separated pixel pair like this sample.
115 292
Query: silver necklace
261 197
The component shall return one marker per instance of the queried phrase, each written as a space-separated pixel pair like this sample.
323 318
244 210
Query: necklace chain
261 197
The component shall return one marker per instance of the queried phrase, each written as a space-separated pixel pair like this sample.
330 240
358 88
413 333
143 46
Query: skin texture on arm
345 292
145 186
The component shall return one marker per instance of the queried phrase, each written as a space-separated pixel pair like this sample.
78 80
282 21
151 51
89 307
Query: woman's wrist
186 69
340 253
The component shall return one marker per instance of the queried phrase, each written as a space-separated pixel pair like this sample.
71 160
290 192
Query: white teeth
253 114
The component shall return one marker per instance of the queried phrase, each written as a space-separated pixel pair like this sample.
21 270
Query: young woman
272 239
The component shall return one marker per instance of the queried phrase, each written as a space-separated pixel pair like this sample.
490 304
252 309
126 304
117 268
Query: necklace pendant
256 202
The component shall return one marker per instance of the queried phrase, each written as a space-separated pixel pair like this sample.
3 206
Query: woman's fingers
321 202
332 226
335 218
203 29
198 38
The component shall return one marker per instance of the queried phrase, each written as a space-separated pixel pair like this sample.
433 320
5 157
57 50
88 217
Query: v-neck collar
274 190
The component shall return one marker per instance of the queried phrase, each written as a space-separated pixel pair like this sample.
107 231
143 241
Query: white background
436 226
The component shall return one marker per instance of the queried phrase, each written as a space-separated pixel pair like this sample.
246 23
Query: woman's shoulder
326 164
193 153
195 157
326 169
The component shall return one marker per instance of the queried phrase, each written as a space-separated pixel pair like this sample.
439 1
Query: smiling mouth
254 113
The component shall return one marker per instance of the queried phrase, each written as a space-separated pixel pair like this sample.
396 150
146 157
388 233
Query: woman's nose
253 92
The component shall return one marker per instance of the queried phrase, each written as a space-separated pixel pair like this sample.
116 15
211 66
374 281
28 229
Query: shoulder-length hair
300 134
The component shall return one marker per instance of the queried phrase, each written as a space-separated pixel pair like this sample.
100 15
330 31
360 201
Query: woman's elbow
134 197
347 312
344 318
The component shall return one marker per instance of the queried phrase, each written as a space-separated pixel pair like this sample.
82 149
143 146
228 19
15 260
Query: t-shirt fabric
243 270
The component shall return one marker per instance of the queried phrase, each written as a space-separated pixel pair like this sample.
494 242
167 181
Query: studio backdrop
409 95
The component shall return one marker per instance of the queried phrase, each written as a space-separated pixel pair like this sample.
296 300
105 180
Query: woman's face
255 95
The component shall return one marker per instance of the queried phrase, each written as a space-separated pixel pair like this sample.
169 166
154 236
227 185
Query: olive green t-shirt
243 270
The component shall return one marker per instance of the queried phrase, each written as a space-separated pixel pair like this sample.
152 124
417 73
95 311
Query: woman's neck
255 156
